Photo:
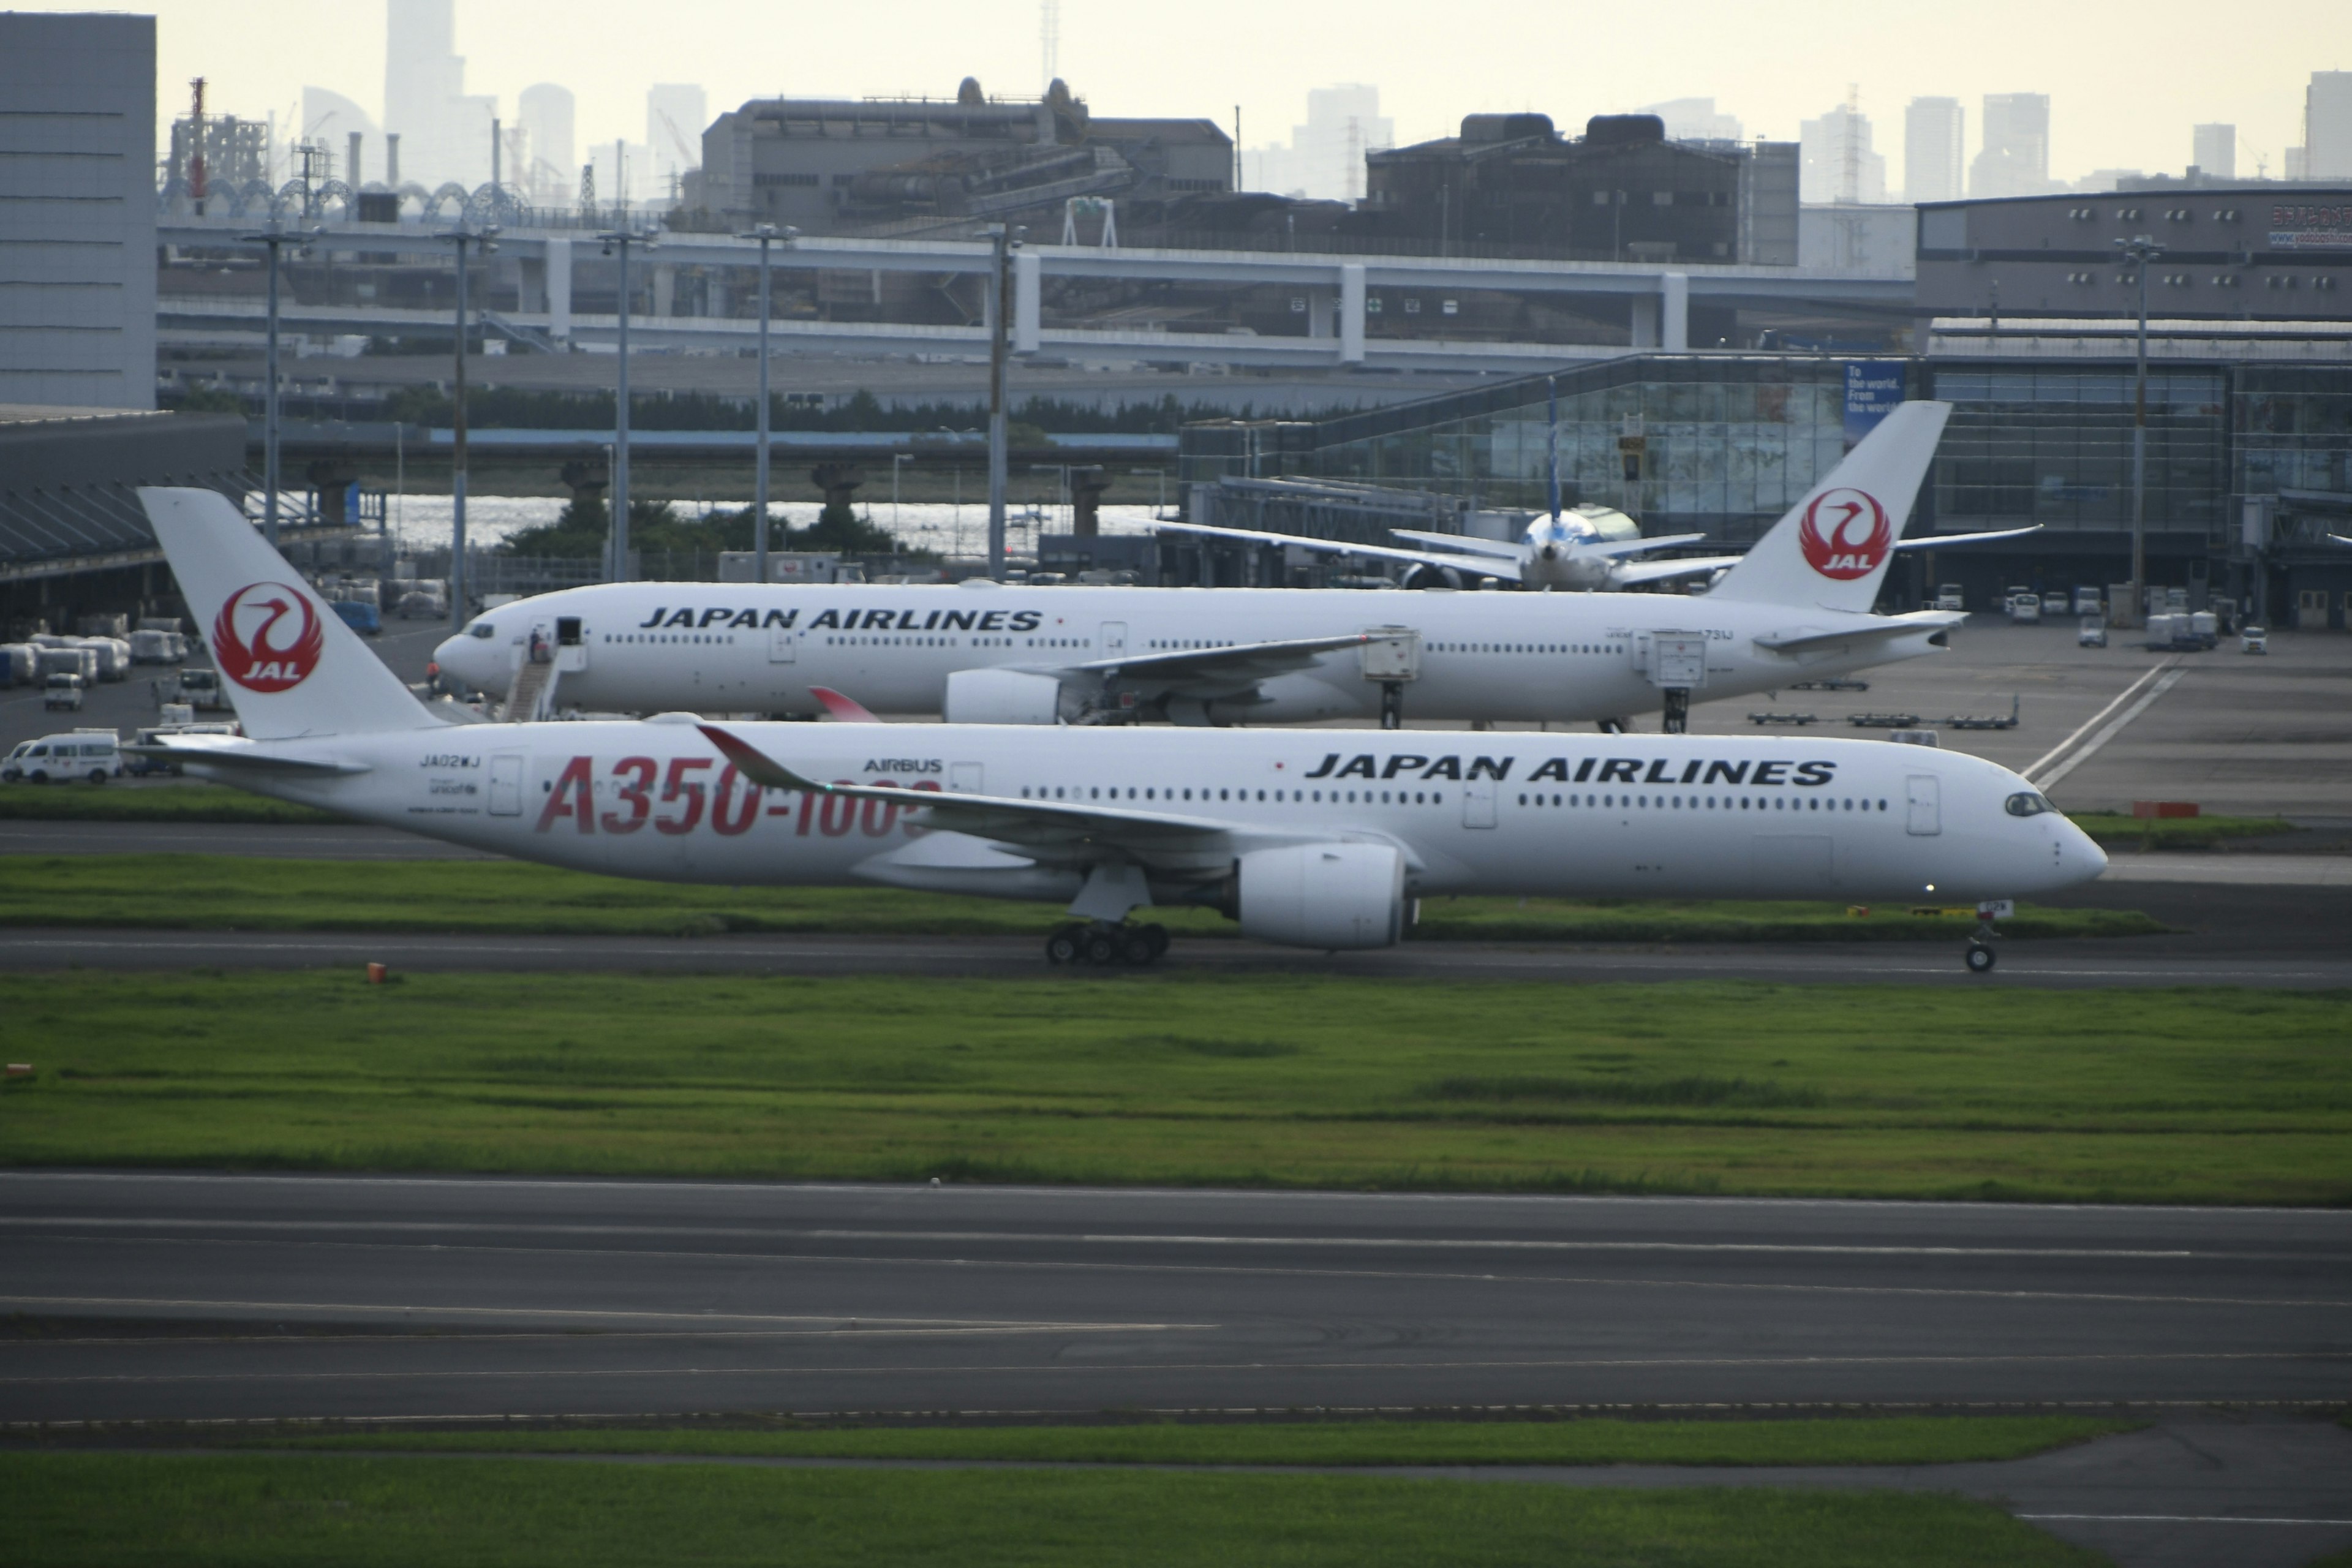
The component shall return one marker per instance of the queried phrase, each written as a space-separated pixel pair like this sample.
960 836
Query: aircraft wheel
1135 949
1980 958
1062 947
1101 948
1156 940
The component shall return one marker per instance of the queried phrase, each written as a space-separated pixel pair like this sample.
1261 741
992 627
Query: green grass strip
228 892
1866 1440
2209 1096
320 1511
2115 829
148 800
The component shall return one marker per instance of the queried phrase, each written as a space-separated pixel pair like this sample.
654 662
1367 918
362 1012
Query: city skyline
2132 104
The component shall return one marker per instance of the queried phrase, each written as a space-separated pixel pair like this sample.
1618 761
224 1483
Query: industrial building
78 187
2250 464
913 166
2251 252
1511 185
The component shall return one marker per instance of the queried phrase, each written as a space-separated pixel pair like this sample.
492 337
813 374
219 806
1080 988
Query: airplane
1585 548
1321 840
1797 606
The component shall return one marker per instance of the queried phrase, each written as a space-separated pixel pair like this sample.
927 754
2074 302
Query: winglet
844 709
757 765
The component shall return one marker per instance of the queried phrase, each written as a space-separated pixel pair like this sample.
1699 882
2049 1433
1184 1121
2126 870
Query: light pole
1005 241
275 237
767 234
460 238
2140 250
896 460
624 237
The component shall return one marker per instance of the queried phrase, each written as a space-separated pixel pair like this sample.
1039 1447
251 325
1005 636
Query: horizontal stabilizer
843 710
1942 540
242 758
1879 627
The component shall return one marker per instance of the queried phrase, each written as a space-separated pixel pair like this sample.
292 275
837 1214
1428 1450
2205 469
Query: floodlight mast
460 238
275 237
617 569
767 234
2140 250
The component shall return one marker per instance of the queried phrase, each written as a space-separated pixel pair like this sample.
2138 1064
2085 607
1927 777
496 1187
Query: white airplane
1313 839
1584 548
1795 607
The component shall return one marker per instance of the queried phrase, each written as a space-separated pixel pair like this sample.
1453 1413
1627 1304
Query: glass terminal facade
1723 444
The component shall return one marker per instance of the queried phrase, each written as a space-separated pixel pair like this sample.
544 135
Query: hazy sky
2127 80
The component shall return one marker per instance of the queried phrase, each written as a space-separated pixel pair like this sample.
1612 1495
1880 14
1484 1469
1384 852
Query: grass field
147 801
322 1512
2180 1096
2118 830
239 893
1870 1441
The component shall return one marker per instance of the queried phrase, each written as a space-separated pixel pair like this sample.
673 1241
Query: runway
164 1296
2073 964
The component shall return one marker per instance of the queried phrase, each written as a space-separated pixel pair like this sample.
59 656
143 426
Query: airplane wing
1881 626
1212 672
1633 571
1506 548
844 709
1051 829
1488 566
1937 541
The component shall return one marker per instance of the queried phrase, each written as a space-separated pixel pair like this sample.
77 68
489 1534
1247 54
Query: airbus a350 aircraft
1314 839
1796 607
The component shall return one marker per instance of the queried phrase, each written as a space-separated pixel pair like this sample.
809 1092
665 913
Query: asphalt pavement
174 1297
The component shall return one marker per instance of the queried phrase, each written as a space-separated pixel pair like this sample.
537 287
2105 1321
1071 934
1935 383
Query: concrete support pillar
531 285
1319 312
1028 300
559 290
666 290
1673 312
1351 312
1645 321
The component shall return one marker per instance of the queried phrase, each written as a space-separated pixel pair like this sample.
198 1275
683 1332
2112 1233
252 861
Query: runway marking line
928 1370
1115 1239
2178 1519
2060 749
1016 1325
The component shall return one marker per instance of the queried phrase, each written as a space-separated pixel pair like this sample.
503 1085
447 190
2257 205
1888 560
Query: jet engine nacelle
1002 697
1322 895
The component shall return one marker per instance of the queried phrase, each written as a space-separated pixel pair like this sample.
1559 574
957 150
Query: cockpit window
2028 804
481 629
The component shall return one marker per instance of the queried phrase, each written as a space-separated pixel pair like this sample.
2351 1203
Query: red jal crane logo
1845 534
268 637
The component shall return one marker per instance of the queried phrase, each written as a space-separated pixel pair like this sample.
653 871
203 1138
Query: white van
93 754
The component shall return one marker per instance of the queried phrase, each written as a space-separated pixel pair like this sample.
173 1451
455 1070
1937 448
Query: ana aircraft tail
1832 548
290 664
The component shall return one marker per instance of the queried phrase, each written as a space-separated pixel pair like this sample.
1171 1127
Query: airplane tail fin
1832 550
290 664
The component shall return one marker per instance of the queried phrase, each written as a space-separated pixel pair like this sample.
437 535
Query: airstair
532 697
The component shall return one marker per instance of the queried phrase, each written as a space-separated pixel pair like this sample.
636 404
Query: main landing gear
1103 944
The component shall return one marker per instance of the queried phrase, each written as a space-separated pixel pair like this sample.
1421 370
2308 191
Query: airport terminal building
2249 468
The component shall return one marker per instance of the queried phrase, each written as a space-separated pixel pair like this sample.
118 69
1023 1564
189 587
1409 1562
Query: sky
2127 80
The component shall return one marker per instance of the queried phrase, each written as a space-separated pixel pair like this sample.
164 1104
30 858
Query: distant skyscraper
1838 166
2015 159
552 171
443 135
674 118
1933 140
1694 119
2214 151
1325 156
2327 126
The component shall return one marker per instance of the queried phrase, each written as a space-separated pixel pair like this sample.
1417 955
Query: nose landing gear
1106 944
1981 955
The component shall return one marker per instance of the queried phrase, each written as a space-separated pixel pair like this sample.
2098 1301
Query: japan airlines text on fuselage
654 646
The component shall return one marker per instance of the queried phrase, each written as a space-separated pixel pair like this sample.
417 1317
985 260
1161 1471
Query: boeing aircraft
1795 607
1313 839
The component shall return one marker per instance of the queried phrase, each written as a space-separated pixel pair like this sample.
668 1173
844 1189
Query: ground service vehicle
62 693
2092 633
2254 639
1316 838
93 754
